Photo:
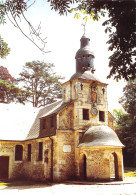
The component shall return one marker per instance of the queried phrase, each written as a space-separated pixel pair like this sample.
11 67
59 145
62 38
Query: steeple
84 57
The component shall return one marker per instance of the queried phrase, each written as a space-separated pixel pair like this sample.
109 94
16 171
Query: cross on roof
84 25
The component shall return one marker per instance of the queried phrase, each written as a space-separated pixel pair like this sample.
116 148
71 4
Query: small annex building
72 138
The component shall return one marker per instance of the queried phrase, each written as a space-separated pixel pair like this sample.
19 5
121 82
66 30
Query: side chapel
71 139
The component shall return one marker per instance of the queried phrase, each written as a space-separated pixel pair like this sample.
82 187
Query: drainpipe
51 158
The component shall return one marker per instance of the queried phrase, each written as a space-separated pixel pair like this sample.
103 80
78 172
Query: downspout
51 176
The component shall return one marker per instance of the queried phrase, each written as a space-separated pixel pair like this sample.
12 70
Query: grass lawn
19 183
130 172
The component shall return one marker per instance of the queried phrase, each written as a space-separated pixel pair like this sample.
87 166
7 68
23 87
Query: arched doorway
83 167
114 166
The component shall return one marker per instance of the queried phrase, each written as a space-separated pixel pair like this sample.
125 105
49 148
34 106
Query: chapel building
71 139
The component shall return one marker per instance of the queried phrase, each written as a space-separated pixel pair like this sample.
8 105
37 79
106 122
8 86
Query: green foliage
128 100
2 13
15 7
8 91
4 49
39 79
126 130
126 122
120 25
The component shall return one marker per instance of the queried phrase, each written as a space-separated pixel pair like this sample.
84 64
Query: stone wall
34 169
66 118
64 155
98 163
80 123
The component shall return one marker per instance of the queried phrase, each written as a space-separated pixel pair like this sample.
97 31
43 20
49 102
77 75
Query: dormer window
44 123
52 121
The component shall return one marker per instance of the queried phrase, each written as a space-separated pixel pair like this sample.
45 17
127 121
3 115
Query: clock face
94 111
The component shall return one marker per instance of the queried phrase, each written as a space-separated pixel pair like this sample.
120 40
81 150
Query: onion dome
100 136
84 57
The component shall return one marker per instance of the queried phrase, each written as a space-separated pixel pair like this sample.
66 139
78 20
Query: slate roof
100 136
56 109
87 75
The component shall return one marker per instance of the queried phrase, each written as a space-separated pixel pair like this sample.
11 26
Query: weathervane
84 25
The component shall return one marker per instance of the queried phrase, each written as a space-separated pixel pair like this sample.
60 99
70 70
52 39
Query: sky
63 35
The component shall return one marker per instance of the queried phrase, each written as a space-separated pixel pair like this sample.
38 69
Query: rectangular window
52 121
85 114
29 152
43 123
40 155
102 116
18 153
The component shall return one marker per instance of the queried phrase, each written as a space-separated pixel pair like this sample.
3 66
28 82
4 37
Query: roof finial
84 25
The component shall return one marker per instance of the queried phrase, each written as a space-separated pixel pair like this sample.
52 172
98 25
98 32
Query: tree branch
33 31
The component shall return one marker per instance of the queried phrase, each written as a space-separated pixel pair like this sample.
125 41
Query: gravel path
125 188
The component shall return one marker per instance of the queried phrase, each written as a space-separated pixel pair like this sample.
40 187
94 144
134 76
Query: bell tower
84 57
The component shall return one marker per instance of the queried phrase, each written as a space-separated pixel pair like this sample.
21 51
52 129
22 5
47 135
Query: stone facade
55 148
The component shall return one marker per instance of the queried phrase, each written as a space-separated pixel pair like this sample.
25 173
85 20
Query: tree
14 11
40 79
126 122
8 91
126 130
128 100
4 49
121 27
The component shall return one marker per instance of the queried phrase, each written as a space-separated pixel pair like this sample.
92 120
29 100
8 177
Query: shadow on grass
130 172
21 184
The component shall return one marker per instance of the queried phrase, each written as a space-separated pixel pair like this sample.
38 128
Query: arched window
18 153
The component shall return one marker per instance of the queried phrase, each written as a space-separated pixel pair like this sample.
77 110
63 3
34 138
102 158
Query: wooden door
4 167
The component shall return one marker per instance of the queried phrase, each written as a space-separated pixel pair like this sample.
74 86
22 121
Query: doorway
114 167
4 167
83 167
